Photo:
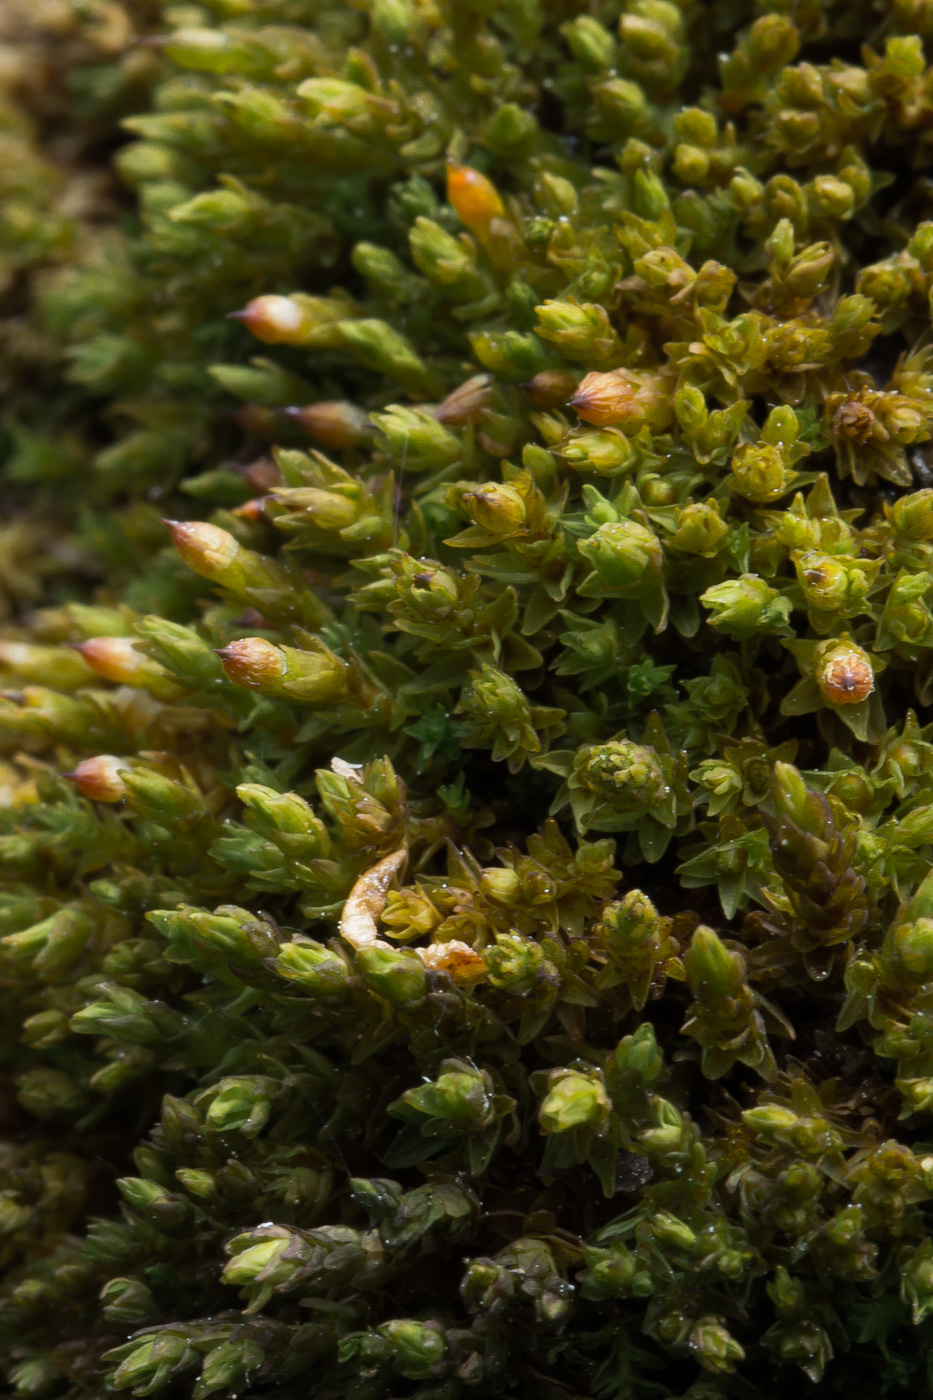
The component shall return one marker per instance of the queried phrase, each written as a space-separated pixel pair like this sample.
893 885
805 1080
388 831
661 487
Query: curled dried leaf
367 898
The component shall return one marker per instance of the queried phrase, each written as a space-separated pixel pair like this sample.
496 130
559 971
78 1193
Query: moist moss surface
466 653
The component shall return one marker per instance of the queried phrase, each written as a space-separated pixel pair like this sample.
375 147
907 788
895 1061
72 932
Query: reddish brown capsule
604 399
253 662
624 398
845 675
855 419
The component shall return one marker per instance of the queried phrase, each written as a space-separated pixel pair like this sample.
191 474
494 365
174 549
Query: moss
466 865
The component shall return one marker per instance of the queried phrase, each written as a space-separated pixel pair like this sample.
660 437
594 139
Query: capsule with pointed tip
312 677
216 555
303 320
118 659
100 778
333 425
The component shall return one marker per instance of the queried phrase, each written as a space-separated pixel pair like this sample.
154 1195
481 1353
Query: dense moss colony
466 923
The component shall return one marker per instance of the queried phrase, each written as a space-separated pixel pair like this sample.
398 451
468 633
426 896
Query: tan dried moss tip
367 899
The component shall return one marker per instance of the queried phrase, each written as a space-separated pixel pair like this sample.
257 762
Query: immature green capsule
127 1301
715 1348
746 607
416 1348
574 1100
622 552
397 976
712 971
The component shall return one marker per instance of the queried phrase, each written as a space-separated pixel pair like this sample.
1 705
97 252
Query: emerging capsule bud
312 966
117 659
912 516
392 973
574 1100
769 1119
206 549
127 1300
380 347
515 963
712 971
745 607
581 331
500 510
274 319
621 552
908 952
417 1349
295 320
760 473
99 778
699 529
241 1103
714 1346
608 452
312 677
638 1053
253 662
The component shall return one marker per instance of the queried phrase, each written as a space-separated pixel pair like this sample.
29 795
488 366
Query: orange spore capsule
475 199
